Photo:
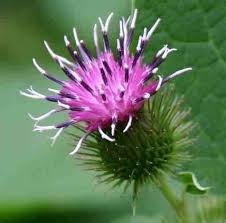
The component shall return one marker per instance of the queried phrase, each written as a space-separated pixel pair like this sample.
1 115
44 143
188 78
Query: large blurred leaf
197 29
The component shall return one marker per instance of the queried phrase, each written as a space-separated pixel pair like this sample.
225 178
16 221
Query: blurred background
40 183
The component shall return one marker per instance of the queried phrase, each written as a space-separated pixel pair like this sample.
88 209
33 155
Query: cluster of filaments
105 90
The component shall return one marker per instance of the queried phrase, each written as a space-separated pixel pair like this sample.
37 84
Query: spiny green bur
156 142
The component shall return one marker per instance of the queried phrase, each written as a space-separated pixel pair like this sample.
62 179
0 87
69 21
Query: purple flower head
105 90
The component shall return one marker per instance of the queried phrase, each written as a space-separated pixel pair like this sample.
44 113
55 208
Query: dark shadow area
58 215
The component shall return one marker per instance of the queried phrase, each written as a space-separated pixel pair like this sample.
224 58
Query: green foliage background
197 29
43 184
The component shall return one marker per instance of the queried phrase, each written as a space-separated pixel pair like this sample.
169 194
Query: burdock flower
106 91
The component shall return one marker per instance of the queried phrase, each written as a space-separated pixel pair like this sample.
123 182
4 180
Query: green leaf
195 28
191 184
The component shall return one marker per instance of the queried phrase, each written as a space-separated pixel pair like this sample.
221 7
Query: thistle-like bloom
107 90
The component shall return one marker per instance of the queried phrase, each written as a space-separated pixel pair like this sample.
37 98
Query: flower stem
178 204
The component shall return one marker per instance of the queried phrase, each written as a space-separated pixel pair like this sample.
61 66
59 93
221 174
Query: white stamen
108 21
71 71
79 144
78 44
105 136
64 60
95 37
160 52
153 29
146 96
67 43
154 71
127 21
167 51
57 57
61 64
33 94
125 33
126 66
113 125
31 90
101 24
129 123
104 27
144 37
76 76
54 138
159 83
49 49
118 44
76 38
42 71
81 41
121 29
30 95
63 105
37 119
132 26
86 108
121 88
43 128
177 73
138 48
125 30
53 90
101 91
